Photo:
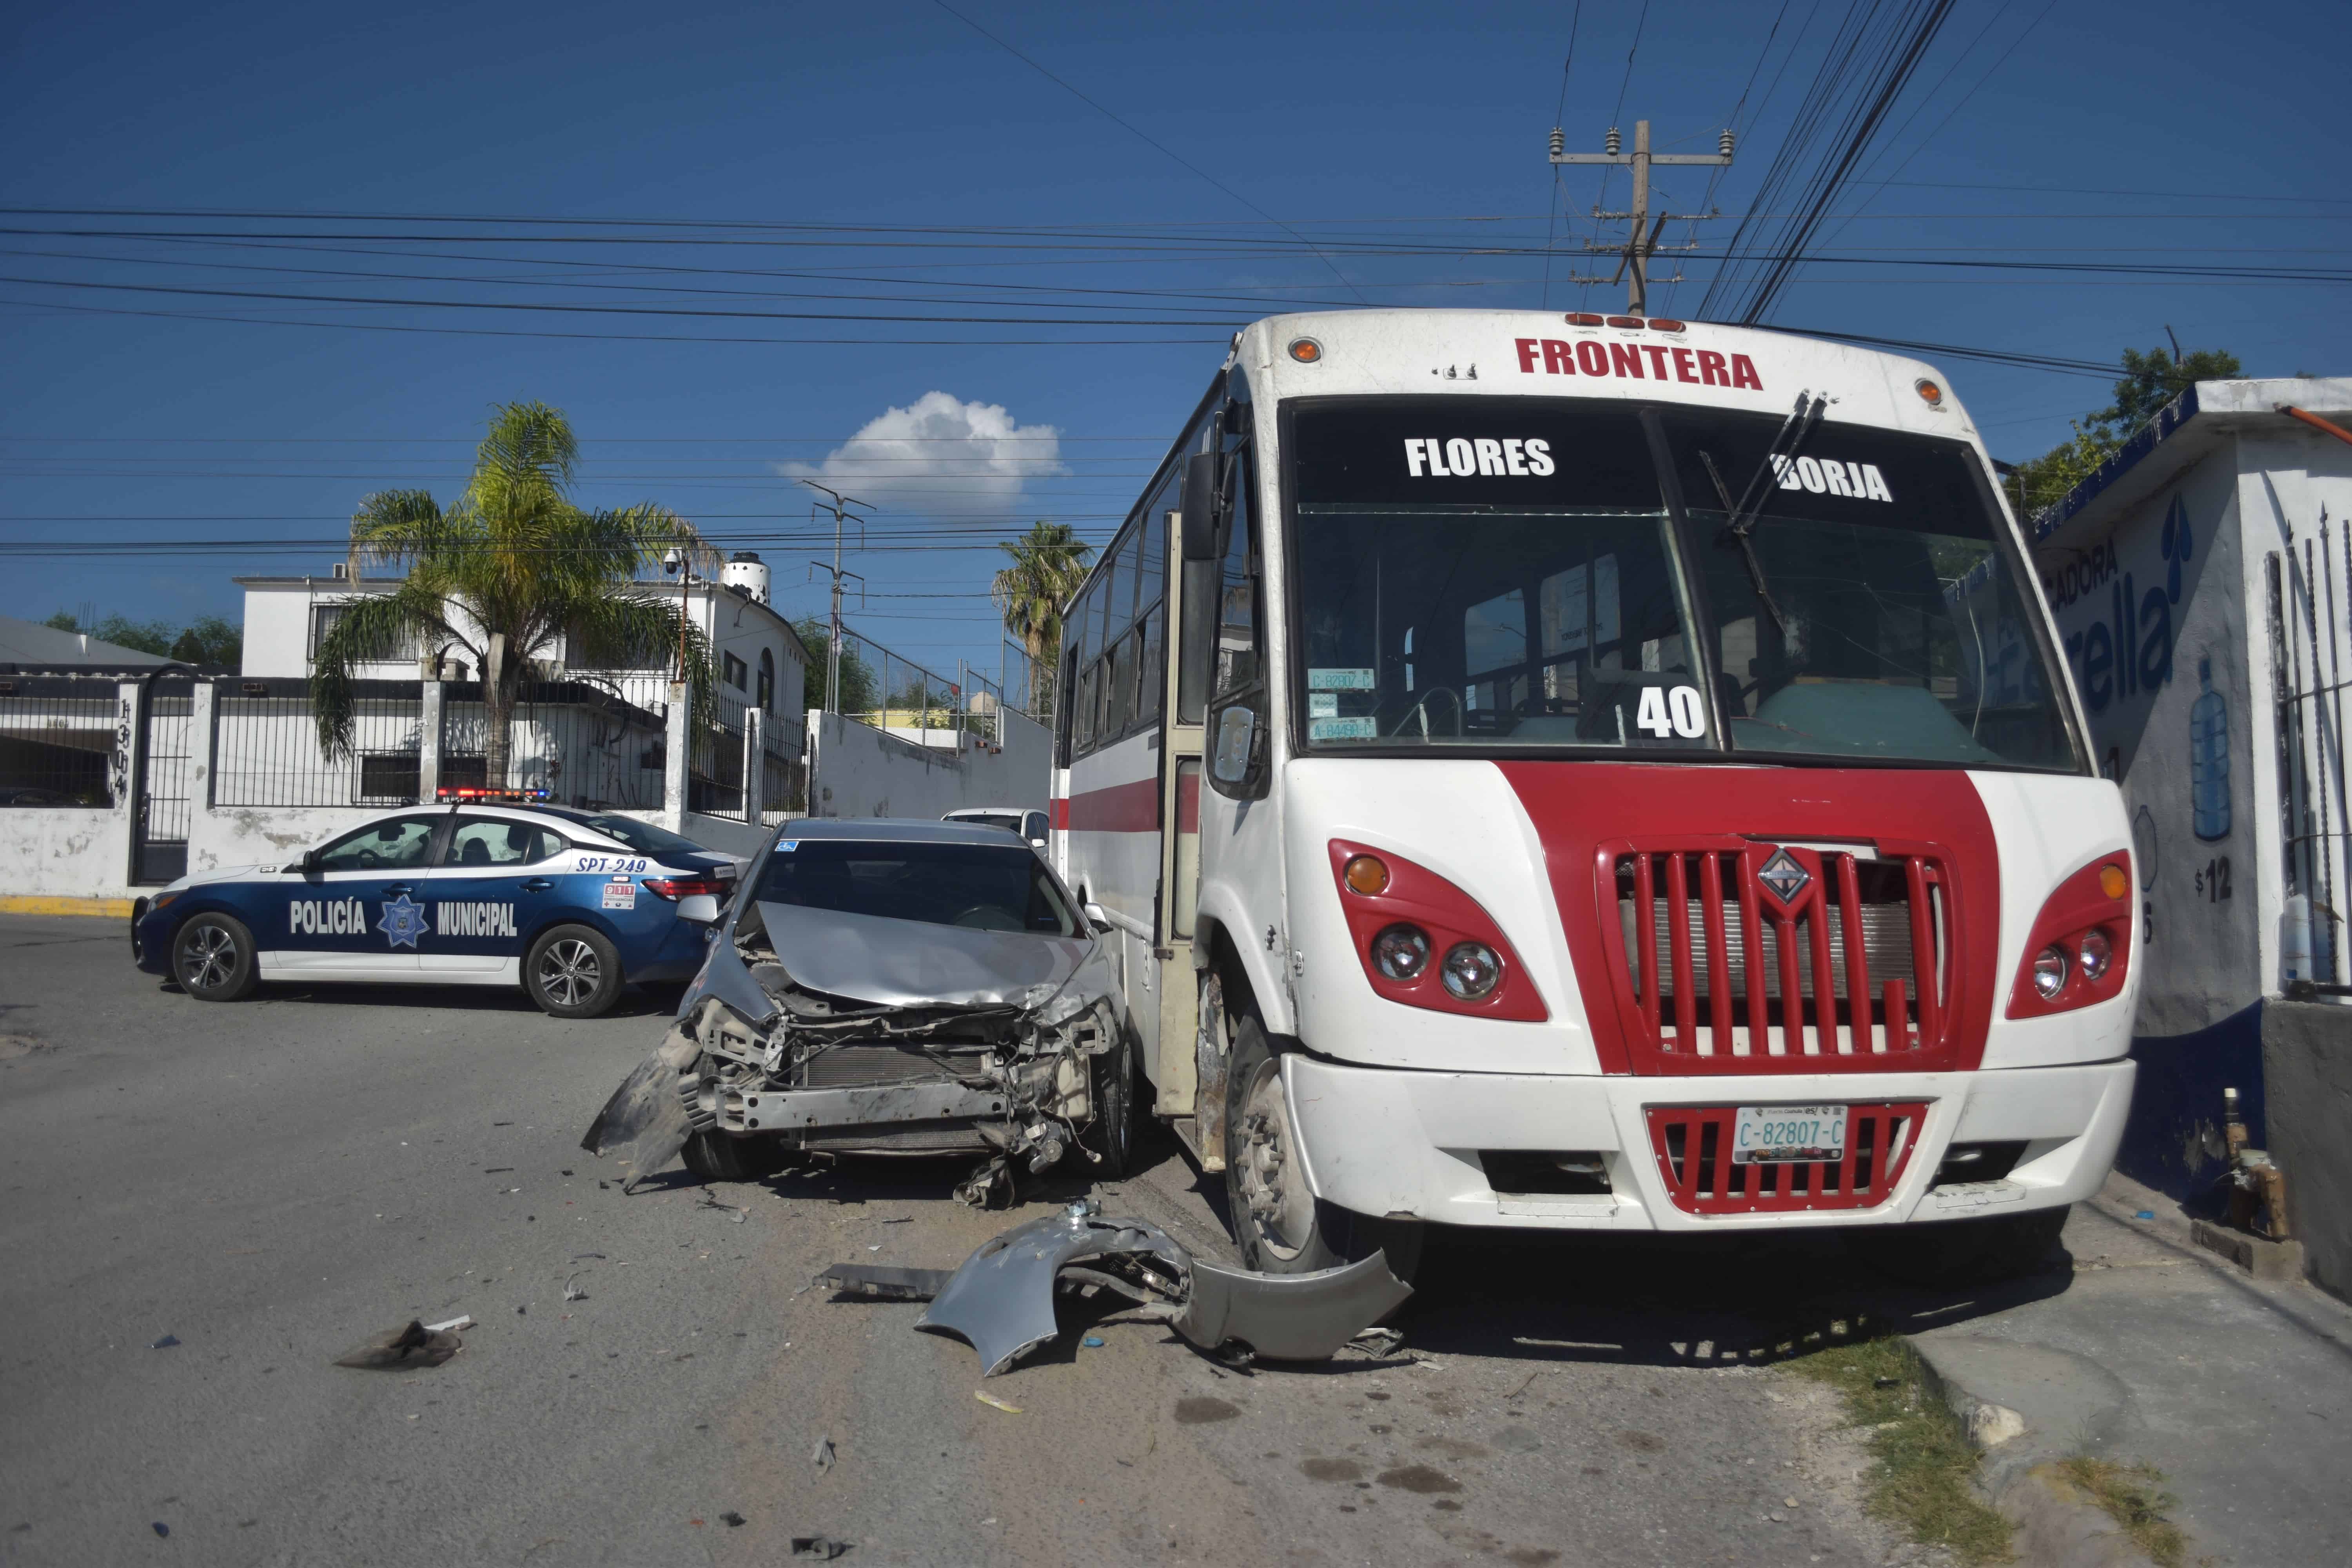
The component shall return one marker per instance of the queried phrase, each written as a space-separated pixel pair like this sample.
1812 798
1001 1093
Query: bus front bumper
1435 1146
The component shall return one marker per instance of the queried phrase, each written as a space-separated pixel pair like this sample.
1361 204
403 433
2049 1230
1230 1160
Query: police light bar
474 792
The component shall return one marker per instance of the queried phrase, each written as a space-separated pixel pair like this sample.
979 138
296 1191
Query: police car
491 888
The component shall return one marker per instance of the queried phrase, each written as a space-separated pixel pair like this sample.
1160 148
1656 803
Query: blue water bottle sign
2209 757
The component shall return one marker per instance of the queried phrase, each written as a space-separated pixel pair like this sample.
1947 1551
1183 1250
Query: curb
2054 1529
46 904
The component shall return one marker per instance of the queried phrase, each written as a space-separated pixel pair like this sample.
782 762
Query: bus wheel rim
1276 1205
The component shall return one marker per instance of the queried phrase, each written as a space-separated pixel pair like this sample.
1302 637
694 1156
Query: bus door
1180 842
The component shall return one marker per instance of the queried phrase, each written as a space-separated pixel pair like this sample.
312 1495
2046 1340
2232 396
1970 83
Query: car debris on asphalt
818 1548
401 1348
1000 1301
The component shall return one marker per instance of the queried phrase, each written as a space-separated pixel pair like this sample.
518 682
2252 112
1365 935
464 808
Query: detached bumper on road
1382 1142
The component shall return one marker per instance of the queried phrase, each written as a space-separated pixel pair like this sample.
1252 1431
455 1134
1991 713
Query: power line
1132 129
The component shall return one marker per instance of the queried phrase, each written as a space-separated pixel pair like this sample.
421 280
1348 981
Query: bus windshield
1510 573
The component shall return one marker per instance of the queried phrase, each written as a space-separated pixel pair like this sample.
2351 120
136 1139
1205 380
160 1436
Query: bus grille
1693 1144
1752 957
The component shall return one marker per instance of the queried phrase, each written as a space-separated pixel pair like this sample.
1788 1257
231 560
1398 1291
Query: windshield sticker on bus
1463 458
1339 680
1322 705
1342 730
1855 482
1591 356
1664 713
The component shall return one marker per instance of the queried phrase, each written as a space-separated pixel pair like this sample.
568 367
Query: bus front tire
1280 1227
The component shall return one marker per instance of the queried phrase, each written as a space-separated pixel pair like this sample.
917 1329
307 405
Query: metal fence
898 696
714 773
583 744
58 741
783 771
265 749
2310 593
1026 685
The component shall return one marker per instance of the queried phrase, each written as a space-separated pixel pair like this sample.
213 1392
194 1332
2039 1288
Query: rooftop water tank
745 570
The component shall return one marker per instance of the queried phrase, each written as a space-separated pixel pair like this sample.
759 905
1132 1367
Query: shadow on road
635 1002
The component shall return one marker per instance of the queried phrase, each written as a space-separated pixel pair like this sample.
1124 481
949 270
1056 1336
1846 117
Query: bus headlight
2096 954
1472 969
1402 953
2049 972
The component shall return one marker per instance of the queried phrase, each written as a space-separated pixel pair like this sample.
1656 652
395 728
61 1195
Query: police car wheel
573 972
212 958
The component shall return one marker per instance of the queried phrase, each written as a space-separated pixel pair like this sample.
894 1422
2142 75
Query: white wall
2187 607
66 851
859 771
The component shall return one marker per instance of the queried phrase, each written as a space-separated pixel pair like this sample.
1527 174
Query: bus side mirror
1237 750
1200 504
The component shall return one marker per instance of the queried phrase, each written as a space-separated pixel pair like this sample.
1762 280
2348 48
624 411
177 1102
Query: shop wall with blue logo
2153 620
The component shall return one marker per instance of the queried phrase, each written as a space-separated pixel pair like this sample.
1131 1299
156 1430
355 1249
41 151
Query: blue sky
2161 135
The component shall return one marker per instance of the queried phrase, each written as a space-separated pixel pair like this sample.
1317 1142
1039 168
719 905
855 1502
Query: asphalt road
270 1181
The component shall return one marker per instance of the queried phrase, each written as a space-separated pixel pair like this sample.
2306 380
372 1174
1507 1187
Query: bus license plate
1775 1134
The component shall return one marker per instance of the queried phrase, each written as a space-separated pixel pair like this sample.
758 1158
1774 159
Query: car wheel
1110 1090
1949 1253
1279 1225
573 972
714 1157
213 958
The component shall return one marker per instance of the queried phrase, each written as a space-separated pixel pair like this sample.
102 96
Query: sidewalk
2239 1390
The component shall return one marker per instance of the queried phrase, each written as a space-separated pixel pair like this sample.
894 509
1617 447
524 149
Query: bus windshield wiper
1741 515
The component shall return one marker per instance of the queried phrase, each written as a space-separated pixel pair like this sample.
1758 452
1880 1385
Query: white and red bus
1598 773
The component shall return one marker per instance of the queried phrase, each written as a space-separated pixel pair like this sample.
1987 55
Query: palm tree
1049 563
507 573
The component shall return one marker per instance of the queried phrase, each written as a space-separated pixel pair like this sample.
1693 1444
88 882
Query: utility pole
833 652
1633 257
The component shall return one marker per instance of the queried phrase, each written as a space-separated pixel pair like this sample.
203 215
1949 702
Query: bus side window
1237 612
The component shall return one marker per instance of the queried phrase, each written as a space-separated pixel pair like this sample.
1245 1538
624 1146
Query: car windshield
1501 574
642 836
980 887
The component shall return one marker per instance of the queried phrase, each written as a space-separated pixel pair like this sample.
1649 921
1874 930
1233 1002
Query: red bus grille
1693 1144
1738 956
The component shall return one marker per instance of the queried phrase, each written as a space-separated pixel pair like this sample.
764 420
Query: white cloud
942 454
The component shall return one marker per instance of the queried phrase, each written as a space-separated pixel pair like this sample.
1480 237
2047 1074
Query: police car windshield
642 836
1501 574
975 886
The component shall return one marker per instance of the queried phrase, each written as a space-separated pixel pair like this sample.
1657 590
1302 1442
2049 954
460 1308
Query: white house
759 659
2202 584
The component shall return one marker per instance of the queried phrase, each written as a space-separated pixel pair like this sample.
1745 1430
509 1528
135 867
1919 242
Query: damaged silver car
890 987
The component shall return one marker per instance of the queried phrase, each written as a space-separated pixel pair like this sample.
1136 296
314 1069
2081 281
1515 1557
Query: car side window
489 841
396 844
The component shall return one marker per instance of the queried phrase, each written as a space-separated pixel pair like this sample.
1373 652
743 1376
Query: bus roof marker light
1367 875
1305 351
1661 324
1583 318
1931 393
1625 322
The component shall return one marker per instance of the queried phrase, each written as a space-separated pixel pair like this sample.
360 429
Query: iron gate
158 826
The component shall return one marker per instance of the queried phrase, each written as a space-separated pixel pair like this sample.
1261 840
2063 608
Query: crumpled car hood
892 962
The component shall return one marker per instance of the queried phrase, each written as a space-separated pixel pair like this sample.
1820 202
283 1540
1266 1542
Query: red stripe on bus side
1120 808
1061 805
1188 798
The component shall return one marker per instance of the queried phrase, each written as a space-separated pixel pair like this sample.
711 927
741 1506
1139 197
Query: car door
498 877
357 909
